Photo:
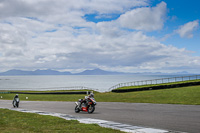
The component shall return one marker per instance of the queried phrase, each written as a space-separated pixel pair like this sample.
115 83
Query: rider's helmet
16 95
91 95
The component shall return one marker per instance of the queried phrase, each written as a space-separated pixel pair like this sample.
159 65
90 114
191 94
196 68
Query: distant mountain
16 72
36 72
53 72
50 72
98 72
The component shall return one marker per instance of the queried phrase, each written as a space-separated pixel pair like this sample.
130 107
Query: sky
113 35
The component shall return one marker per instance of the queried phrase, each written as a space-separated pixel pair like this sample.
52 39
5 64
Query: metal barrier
72 92
4 92
156 81
50 88
70 88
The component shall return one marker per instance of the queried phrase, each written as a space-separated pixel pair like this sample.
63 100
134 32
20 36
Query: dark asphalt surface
185 118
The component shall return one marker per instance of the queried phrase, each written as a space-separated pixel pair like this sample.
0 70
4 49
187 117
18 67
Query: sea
100 83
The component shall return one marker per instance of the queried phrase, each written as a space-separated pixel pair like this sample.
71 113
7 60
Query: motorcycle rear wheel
91 109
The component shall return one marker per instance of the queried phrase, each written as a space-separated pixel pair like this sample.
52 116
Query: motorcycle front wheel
91 109
77 110
17 105
14 103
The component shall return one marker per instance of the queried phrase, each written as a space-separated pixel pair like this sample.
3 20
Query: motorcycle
87 105
16 102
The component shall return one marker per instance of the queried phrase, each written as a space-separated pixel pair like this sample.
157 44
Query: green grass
18 122
184 95
152 85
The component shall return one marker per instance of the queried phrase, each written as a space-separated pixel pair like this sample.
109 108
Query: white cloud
51 7
55 35
187 29
145 18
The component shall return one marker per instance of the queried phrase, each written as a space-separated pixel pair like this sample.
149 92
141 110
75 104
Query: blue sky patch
53 30
100 18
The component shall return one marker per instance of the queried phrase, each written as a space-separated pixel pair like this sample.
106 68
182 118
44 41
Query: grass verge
183 95
18 122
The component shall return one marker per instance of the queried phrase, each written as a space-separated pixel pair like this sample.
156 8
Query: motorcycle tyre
92 110
77 110
13 104
17 105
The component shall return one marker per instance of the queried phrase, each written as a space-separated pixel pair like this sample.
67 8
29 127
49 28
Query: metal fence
72 88
156 81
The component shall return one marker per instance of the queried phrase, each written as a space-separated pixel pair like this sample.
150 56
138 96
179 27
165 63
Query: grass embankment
154 85
18 122
183 95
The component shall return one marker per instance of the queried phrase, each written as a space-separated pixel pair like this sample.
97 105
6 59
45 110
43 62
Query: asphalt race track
184 118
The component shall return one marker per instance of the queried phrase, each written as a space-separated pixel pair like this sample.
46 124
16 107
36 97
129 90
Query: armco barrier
157 87
4 92
71 92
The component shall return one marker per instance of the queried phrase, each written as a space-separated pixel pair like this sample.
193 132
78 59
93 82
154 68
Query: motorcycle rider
84 101
91 95
16 96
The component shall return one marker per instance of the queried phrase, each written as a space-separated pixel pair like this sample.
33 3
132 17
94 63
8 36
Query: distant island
15 72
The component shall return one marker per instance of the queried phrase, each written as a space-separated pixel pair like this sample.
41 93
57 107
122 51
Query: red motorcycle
86 105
